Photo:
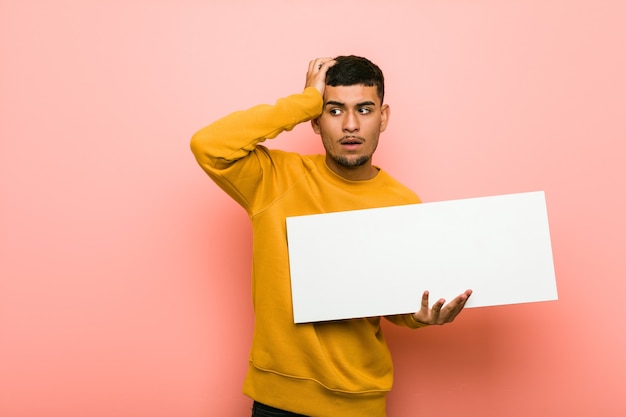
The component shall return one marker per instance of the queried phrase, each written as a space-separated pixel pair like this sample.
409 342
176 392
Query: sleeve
406 320
228 149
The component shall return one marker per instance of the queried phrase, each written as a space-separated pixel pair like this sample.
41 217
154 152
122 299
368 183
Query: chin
353 162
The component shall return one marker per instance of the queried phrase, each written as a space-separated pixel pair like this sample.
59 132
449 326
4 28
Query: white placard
376 262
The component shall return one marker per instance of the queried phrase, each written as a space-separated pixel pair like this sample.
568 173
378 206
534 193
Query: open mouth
351 142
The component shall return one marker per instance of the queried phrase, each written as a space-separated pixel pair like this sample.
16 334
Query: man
340 368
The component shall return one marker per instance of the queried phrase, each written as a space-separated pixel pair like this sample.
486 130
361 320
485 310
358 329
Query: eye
334 112
365 110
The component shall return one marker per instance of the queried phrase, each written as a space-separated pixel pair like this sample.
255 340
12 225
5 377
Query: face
350 125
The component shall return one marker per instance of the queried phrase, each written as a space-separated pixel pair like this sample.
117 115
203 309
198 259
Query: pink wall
124 271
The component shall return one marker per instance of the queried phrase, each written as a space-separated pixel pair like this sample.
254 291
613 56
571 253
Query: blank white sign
376 262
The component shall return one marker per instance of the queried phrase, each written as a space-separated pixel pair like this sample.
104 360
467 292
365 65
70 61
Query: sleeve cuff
414 324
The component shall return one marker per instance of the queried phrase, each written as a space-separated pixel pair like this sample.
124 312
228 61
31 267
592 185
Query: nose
350 122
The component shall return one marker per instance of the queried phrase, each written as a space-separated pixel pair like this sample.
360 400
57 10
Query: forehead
351 94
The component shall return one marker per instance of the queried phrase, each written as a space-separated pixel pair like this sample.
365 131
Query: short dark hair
356 70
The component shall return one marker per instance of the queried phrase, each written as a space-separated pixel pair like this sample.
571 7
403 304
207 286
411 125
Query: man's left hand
441 313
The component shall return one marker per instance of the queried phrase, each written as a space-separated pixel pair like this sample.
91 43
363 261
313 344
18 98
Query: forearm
231 138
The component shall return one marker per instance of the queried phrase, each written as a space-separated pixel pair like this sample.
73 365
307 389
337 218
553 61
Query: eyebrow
340 104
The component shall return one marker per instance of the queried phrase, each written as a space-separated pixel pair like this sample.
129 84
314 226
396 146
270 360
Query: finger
425 300
453 308
453 311
323 59
324 66
316 64
462 299
438 306
313 77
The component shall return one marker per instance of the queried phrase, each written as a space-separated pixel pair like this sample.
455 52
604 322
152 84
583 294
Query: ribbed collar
332 176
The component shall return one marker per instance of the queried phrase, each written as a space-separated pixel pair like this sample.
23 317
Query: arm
228 151
233 137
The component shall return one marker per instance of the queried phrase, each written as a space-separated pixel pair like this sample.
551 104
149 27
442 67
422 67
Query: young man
340 368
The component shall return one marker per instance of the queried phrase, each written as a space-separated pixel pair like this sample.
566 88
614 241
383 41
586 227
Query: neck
363 172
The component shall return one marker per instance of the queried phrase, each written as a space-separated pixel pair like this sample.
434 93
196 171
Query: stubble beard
351 163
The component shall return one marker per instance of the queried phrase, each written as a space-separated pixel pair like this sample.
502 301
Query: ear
315 124
384 117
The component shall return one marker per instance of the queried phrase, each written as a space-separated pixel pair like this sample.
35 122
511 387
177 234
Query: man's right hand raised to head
316 75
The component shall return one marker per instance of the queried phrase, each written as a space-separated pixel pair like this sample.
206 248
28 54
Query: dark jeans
262 410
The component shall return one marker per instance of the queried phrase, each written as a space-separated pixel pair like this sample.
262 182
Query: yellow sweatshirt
329 369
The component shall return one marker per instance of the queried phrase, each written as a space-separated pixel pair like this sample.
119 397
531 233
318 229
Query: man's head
355 70
353 116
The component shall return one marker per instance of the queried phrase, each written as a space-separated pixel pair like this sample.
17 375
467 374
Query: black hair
356 70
